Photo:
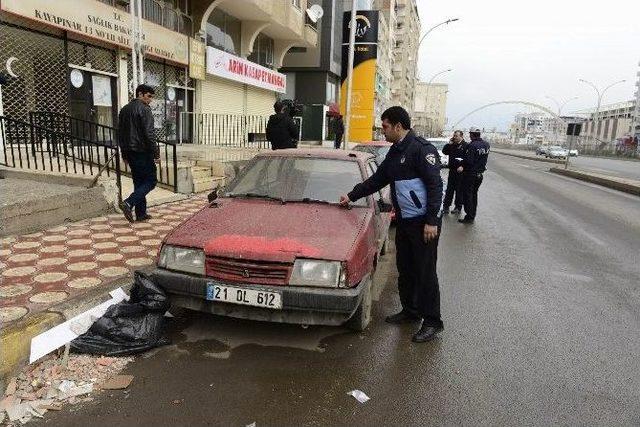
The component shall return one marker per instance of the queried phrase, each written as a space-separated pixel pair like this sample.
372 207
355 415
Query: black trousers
470 185
417 276
143 172
337 142
454 186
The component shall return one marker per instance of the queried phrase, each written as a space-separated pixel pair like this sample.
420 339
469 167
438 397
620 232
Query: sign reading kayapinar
102 22
223 64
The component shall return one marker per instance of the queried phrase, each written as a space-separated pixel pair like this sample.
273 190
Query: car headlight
311 272
176 258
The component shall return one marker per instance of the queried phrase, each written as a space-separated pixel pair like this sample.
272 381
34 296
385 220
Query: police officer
412 168
473 166
455 150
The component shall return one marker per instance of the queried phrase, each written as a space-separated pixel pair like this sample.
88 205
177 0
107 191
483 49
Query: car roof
437 139
319 153
375 144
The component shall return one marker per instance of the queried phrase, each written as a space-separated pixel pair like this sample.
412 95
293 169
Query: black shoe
144 218
402 317
445 211
426 333
466 220
126 210
456 211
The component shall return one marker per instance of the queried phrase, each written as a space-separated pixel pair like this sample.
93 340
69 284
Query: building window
223 32
331 91
297 49
262 51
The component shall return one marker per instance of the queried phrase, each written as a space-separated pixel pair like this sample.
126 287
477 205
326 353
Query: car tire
361 318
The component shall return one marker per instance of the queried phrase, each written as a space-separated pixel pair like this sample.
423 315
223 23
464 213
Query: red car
277 246
380 149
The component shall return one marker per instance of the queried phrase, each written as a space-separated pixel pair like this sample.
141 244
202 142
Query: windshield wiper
312 200
256 196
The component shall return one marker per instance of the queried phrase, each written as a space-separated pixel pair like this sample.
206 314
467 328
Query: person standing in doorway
412 168
338 130
282 131
473 166
455 150
139 151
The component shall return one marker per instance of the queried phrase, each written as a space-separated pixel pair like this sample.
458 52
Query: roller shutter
222 96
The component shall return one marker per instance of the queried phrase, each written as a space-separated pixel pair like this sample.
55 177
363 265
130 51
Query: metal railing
227 130
29 146
82 132
160 13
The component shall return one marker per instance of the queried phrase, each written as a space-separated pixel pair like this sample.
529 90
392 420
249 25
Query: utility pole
597 114
352 43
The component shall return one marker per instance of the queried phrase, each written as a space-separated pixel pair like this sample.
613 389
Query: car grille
256 272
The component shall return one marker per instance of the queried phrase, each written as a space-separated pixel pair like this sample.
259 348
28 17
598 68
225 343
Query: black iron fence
86 135
228 130
29 146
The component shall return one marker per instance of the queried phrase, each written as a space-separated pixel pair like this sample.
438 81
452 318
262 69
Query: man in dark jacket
282 131
412 168
139 151
473 166
455 150
338 130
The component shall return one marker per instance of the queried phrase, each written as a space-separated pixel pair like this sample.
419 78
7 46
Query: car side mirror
212 196
384 206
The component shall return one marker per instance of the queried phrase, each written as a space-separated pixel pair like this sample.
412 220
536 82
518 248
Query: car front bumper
300 305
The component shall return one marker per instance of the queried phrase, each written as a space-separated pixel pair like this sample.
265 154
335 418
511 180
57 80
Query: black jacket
135 129
412 167
455 153
282 131
475 156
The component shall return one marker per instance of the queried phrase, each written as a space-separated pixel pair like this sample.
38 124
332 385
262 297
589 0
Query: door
179 118
92 100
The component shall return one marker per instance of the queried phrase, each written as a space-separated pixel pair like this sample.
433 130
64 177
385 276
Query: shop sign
100 21
228 66
196 59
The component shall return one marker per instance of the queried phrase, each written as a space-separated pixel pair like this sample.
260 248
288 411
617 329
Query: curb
15 339
620 184
535 159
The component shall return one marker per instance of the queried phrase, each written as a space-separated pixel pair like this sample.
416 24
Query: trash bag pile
128 327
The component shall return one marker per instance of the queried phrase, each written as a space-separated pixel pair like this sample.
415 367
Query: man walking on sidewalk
455 150
473 166
412 169
139 151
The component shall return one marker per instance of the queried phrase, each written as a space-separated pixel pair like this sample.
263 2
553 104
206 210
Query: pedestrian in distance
139 150
282 131
412 169
455 150
473 166
338 130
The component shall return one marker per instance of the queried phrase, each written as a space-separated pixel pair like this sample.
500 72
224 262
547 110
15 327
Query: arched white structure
530 104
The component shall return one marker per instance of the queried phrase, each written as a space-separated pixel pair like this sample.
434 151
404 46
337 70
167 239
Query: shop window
223 32
262 51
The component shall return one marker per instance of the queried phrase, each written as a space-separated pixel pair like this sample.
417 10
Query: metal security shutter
260 102
221 96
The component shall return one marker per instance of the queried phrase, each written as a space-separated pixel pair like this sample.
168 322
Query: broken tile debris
47 385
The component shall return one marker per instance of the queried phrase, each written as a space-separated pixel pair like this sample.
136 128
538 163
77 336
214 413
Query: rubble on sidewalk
47 385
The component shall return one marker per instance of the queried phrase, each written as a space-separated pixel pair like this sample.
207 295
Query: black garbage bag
128 327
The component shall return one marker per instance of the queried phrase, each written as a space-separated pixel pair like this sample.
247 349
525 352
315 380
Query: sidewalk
48 267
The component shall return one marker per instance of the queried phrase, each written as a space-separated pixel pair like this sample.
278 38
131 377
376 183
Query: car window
295 178
382 153
373 166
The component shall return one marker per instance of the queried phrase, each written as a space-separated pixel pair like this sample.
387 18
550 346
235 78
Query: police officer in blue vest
473 166
412 168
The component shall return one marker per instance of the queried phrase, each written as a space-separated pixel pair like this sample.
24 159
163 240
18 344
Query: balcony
160 13
310 35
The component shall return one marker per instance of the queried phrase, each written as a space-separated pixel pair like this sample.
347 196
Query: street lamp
560 106
429 87
447 22
600 95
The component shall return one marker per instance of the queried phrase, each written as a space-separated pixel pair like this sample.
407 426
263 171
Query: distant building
430 105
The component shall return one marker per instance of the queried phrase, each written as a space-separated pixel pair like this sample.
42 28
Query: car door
382 219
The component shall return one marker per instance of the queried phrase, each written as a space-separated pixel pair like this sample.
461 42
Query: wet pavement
541 304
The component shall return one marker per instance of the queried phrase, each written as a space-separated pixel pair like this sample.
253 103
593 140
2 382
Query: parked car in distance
277 246
541 150
377 148
439 143
573 152
556 152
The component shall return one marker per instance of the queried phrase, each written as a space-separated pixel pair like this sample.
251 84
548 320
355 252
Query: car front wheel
361 318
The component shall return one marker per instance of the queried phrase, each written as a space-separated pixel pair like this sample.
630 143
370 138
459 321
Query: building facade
73 57
635 126
613 121
430 109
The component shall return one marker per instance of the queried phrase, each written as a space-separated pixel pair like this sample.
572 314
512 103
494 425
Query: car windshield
379 151
297 179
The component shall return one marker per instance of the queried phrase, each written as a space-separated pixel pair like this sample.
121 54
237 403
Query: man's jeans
143 172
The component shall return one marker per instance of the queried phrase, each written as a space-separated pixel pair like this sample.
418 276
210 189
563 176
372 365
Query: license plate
234 295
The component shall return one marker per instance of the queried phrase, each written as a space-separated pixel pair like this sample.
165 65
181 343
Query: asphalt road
541 303
621 168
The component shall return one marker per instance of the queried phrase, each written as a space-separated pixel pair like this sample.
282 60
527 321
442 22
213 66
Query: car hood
270 231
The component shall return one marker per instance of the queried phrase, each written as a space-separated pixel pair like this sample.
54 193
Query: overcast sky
515 50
